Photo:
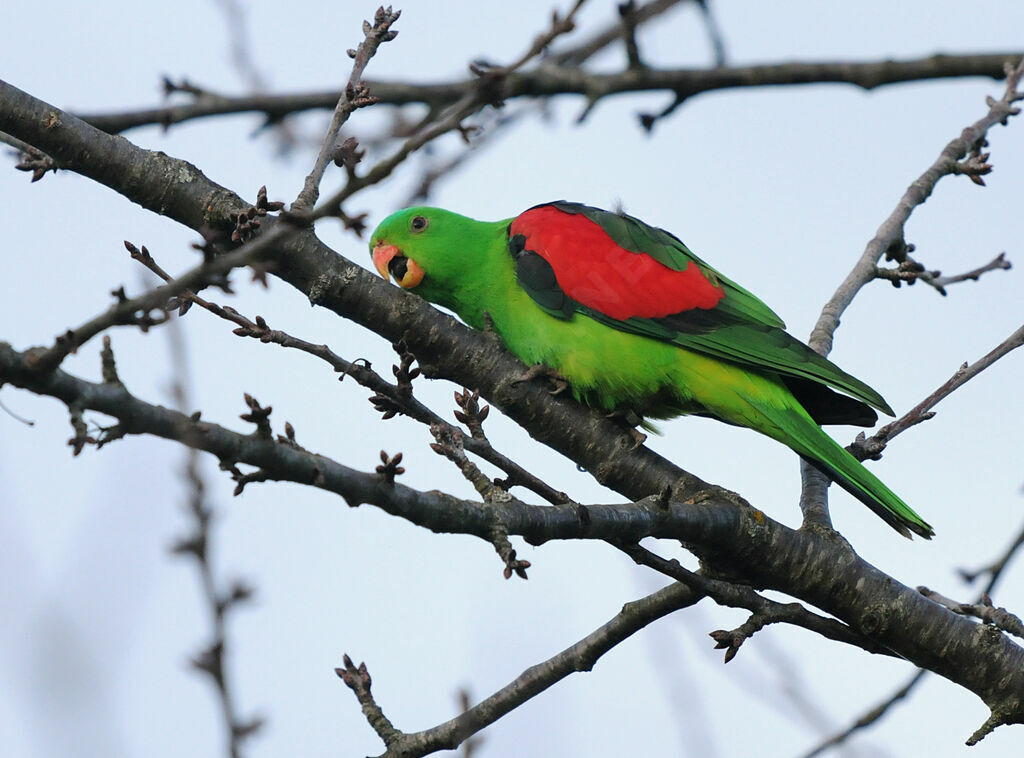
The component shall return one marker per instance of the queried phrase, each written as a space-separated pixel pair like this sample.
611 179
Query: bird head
399 241
425 249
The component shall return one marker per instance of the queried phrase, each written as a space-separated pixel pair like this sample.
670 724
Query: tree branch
579 657
550 81
872 447
729 535
889 239
356 95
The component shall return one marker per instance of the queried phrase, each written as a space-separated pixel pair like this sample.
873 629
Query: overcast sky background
778 188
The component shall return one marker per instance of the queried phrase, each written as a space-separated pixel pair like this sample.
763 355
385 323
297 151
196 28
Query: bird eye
419 223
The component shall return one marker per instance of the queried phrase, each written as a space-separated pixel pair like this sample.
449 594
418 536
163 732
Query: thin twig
482 94
889 240
127 310
581 656
356 95
910 271
449 444
764 611
872 447
996 264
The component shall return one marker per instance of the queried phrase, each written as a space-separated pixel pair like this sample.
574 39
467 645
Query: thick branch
820 570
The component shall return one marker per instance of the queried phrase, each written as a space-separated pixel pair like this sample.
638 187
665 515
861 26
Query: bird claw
543 371
632 420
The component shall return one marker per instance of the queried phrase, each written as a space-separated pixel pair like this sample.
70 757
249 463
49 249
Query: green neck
486 273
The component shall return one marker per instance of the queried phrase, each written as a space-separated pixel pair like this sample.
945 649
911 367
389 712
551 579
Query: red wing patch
594 271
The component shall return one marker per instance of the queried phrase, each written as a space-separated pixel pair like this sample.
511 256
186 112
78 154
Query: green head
440 255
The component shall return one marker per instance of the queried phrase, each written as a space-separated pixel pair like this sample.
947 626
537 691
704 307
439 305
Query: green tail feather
829 457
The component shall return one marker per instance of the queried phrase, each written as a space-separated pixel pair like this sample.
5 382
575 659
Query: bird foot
631 419
542 371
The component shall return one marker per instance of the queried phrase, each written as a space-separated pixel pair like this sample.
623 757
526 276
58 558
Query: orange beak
407 272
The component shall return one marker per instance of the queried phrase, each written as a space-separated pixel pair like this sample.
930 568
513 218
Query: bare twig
581 656
997 263
910 271
872 447
358 680
889 240
136 310
1000 618
30 159
449 444
356 95
764 611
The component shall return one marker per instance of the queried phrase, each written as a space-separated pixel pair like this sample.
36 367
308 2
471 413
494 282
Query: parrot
634 322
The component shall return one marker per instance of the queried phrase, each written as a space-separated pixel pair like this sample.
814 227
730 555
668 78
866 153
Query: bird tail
829 457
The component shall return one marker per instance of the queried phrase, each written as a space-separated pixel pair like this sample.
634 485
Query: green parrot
634 321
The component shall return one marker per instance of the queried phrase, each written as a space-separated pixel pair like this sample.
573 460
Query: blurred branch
995 568
577 54
869 718
714 33
240 44
220 603
549 81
